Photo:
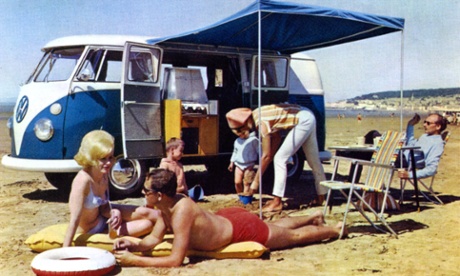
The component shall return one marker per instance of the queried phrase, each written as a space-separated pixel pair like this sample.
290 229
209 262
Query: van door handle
129 102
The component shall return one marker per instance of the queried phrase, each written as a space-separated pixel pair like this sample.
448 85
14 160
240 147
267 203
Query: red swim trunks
246 226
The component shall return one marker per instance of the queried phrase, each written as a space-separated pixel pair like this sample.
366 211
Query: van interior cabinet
200 134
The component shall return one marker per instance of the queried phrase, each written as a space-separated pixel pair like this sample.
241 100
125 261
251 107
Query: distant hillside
414 94
431 100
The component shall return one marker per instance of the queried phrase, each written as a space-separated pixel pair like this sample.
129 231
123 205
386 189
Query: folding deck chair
445 136
378 178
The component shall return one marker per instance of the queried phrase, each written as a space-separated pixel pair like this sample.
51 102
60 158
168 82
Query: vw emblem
21 111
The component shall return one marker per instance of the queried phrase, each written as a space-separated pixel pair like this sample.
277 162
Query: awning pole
401 81
401 94
259 99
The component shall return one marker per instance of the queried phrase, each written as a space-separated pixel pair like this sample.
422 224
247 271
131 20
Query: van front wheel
126 177
62 181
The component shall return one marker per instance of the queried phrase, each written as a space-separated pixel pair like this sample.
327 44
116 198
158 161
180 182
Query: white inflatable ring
77 260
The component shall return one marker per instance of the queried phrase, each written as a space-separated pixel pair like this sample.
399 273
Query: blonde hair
95 145
174 143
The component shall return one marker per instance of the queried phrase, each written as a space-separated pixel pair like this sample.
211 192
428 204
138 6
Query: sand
428 242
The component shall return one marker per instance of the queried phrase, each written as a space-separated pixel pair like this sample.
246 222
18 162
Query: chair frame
428 188
380 183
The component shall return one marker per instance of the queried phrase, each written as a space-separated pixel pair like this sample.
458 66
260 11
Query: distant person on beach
244 157
300 125
431 145
90 209
198 229
174 152
359 117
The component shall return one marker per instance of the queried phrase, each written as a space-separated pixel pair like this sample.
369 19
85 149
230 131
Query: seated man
430 143
198 229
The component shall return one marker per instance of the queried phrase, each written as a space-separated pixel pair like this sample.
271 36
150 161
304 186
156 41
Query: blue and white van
143 95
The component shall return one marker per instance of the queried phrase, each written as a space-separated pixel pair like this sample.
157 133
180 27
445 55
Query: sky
428 47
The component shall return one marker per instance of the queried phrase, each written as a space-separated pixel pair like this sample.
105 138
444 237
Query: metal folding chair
378 178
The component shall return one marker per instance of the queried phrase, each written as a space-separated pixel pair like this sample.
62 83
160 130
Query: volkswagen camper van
143 95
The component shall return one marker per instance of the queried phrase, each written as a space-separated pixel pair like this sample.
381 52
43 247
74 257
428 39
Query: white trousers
302 135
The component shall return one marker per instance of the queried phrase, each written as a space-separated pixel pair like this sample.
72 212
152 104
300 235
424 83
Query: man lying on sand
198 229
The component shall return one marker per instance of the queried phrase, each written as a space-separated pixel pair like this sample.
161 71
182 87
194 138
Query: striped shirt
277 117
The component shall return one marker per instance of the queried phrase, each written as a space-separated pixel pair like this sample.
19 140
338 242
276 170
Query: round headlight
44 129
9 123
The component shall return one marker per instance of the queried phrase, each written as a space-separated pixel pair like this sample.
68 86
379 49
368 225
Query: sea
353 113
6 110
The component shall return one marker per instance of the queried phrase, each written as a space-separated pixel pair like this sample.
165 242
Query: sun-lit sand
428 241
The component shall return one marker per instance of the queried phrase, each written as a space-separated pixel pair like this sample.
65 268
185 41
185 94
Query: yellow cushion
53 237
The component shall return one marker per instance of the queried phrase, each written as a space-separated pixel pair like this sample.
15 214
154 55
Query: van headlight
9 125
44 129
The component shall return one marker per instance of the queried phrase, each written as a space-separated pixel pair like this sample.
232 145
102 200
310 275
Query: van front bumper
40 165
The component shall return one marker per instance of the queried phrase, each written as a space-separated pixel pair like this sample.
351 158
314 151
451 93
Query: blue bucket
246 199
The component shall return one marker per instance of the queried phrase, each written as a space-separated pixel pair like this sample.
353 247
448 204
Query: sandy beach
428 242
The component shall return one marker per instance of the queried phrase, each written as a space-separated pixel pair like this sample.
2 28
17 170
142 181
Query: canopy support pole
401 93
259 99
401 82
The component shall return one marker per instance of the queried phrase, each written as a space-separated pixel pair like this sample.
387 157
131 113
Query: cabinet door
209 135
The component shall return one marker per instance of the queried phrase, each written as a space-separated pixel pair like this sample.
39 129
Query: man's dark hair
163 181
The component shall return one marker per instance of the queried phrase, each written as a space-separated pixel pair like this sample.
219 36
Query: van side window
101 66
110 70
58 64
273 72
90 65
143 65
219 78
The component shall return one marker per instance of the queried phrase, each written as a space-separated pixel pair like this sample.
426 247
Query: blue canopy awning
289 28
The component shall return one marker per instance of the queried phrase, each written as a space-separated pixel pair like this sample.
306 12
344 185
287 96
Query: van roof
78 40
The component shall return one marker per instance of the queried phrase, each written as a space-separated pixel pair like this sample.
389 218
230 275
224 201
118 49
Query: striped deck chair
429 188
378 176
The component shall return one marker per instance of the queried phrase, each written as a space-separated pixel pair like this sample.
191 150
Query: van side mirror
84 75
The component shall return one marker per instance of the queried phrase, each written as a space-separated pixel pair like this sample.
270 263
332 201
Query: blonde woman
90 208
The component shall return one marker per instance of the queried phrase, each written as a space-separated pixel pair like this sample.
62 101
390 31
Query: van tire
127 177
294 170
62 181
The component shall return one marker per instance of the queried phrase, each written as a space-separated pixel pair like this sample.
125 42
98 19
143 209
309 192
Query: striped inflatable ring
77 260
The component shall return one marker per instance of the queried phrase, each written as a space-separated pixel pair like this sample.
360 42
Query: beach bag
375 200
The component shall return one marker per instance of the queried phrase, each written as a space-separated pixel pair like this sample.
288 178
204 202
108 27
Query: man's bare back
209 231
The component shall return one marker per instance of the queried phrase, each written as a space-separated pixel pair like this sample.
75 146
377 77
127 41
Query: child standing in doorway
174 152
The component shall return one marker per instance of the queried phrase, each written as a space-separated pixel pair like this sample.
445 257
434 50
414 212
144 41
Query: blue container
246 199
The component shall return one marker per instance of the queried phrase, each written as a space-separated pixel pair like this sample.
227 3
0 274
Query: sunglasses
429 123
148 192
240 129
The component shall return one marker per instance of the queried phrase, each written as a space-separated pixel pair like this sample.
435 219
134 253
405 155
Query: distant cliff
414 94
442 99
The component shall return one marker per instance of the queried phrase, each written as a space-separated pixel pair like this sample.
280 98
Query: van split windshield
57 65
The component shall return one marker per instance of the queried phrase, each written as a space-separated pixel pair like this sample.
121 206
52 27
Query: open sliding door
141 102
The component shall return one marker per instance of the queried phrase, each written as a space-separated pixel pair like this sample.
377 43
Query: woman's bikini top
93 202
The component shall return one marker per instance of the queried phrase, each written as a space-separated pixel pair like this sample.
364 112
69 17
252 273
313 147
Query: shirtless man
198 229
